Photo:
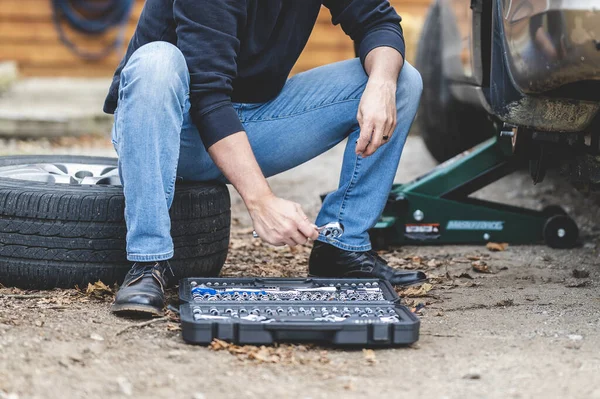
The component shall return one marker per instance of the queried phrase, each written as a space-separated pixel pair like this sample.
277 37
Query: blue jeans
157 143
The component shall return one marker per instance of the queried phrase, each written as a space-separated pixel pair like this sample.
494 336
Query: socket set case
261 311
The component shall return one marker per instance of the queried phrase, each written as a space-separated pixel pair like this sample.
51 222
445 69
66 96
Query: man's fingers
289 242
301 213
299 238
375 143
366 132
392 128
388 132
290 232
361 145
275 240
309 230
287 235
306 228
292 235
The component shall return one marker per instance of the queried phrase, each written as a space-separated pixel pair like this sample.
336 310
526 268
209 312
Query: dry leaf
173 327
99 290
262 355
497 246
269 354
461 260
370 356
217 345
173 317
240 350
480 267
417 291
434 263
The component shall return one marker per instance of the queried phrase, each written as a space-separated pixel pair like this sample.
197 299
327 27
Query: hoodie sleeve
207 35
370 23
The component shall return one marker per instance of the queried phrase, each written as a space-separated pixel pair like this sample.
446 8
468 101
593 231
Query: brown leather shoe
329 261
143 291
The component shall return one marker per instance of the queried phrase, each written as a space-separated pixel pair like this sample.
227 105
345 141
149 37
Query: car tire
447 126
62 235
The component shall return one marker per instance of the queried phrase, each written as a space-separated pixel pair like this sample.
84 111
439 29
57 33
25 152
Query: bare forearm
384 64
276 220
234 157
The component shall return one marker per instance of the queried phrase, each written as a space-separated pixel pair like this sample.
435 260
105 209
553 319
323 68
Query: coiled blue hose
92 18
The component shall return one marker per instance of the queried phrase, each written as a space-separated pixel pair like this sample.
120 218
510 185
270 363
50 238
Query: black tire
447 126
553 210
561 232
62 235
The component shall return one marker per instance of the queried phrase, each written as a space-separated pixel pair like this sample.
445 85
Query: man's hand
276 220
377 109
280 222
376 116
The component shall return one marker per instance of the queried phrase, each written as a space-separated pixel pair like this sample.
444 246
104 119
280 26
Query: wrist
383 82
254 198
384 63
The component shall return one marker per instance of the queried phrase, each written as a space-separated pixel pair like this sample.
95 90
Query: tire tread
60 235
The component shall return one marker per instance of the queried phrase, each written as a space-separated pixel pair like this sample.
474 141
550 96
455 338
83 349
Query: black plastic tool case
344 315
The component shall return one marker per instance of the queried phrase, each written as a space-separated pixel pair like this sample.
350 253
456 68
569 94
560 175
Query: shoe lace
145 269
141 269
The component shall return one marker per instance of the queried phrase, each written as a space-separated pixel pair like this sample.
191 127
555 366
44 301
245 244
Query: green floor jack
436 208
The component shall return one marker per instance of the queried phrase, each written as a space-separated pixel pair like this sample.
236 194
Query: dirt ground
528 329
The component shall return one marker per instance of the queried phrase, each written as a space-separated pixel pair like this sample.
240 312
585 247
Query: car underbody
532 69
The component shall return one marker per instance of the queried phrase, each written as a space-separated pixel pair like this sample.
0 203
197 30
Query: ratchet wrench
330 230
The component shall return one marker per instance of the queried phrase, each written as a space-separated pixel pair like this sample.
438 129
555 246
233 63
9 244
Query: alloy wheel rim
72 173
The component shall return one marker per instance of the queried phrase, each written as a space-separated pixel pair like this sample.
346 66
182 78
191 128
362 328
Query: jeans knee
410 85
158 65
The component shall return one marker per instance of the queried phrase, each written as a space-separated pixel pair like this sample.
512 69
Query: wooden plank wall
27 36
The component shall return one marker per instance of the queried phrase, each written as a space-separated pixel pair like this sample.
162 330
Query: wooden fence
27 36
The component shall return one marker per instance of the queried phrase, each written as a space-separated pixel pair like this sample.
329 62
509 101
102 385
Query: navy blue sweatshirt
244 50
